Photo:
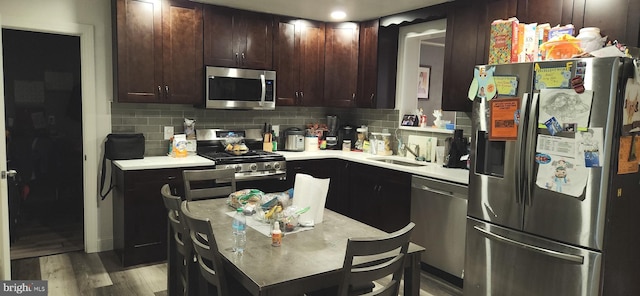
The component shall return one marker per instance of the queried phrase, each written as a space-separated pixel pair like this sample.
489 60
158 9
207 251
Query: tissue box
503 42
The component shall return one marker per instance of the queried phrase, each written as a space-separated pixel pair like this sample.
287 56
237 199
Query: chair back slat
376 258
208 183
206 248
181 234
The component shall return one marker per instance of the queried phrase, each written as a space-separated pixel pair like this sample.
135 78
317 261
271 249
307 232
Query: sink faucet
406 148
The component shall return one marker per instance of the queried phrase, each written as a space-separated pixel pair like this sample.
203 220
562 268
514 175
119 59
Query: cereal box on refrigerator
503 42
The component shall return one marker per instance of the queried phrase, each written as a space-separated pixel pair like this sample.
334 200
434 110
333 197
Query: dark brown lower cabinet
139 215
379 197
337 200
376 196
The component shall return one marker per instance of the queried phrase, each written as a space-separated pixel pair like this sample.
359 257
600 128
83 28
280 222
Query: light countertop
162 162
431 170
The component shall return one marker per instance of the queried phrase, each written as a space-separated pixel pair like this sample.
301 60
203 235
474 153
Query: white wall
93 17
409 60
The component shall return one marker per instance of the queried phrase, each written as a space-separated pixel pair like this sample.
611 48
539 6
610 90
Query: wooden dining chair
206 249
180 237
357 274
208 183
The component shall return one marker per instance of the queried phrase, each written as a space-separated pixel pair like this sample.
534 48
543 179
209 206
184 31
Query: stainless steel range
255 164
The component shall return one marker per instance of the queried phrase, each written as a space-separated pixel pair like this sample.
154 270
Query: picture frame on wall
424 78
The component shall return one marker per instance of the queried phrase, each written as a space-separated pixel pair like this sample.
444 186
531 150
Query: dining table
306 261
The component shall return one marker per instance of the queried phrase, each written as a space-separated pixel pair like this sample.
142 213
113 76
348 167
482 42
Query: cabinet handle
353 96
166 90
296 96
372 95
243 58
301 94
159 92
237 61
171 177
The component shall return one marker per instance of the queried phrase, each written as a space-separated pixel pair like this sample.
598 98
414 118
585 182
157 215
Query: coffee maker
457 148
347 132
331 135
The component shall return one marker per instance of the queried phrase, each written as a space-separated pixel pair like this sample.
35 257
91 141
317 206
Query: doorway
43 119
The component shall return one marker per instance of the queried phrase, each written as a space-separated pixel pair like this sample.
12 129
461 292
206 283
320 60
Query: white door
5 258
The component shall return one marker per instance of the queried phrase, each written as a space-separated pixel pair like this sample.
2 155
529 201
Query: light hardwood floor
77 273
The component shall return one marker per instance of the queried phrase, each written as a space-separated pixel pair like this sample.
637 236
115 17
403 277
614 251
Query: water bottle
239 233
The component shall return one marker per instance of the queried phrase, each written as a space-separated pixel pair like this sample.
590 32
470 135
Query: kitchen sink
399 162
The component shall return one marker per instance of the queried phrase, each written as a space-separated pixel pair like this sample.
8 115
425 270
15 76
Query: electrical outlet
168 132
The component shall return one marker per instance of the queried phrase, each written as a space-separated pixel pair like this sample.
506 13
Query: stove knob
238 168
276 165
267 166
253 167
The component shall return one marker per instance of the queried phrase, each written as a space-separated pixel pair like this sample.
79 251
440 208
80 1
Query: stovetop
251 156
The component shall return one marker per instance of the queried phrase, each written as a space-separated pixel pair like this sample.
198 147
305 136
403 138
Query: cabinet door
394 200
219 35
183 67
363 193
493 10
139 50
341 64
617 19
326 168
553 12
286 63
254 38
299 59
311 55
367 65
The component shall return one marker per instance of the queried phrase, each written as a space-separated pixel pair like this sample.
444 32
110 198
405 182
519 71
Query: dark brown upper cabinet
377 65
299 61
341 64
158 51
238 38
617 19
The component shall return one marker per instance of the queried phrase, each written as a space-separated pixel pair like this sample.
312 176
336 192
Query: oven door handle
276 175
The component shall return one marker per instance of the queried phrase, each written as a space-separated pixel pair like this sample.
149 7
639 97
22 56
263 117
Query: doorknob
8 174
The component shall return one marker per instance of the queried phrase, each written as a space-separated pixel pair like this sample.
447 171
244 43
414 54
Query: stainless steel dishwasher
439 209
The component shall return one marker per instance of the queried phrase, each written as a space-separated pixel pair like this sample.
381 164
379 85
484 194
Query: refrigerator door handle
567 257
530 148
520 149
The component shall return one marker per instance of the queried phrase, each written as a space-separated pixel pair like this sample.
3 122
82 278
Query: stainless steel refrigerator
531 230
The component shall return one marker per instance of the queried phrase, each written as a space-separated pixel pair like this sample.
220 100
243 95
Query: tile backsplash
150 119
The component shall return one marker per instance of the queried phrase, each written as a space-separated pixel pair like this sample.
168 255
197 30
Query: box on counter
530 43
558 31
503 42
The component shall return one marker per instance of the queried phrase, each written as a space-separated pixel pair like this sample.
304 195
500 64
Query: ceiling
357 10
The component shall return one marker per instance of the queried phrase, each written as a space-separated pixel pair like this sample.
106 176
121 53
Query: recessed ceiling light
338 15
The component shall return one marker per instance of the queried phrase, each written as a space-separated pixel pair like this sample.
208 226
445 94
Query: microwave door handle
532 128
264 89
520 142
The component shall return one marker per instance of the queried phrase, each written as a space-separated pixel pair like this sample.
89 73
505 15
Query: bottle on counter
276 235
239 231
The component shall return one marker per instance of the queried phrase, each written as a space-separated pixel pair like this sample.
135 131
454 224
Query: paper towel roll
312 192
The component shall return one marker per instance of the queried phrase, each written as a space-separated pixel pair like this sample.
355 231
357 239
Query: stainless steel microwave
232 88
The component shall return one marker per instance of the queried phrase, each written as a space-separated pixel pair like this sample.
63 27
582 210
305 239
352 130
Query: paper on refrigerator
566 106
310 192
560 169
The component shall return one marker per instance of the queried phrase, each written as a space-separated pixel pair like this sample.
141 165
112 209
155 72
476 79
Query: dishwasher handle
430 189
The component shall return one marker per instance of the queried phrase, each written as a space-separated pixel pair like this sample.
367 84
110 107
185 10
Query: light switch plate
168 132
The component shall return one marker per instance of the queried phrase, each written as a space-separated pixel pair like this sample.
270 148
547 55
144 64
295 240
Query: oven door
266 184
231 88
